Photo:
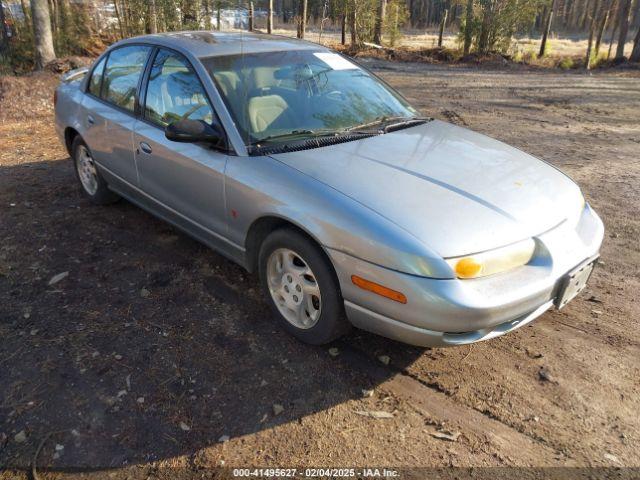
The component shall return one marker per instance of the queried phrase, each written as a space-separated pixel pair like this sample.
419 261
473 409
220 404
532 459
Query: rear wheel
301 287
93 186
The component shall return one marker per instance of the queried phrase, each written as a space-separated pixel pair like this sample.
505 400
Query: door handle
145 147
90 120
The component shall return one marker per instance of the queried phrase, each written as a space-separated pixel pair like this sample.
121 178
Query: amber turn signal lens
468 268
378 289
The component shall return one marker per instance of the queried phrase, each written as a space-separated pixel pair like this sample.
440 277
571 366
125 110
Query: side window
174 91
96 78
123 70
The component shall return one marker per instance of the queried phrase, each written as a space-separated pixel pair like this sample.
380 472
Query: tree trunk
635 53
343 29
4 41
546 30
96 15
602 27
218 15
251 16
54 14
483 39
592 28
270 17
467 28
353 21
566 9
43 39
442 24
302 27
153 17
613 34
377 33
207 14
118 17
26 10
585 16
625 7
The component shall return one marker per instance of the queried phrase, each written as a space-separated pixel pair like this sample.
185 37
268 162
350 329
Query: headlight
493 261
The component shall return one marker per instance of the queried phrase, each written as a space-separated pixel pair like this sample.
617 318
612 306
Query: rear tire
92 185
301 287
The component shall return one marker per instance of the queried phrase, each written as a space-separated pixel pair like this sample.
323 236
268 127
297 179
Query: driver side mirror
193 131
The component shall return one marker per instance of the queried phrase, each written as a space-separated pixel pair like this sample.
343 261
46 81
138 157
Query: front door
187 179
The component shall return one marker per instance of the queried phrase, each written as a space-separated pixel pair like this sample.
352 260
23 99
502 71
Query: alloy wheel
87 171
294 288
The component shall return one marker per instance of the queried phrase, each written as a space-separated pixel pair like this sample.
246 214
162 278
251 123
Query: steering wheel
335 94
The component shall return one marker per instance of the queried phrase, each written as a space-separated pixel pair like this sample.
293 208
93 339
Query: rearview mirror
192 131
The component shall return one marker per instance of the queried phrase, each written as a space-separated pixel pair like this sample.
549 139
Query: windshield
276 95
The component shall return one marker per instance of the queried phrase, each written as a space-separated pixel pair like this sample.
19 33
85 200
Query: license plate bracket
574 282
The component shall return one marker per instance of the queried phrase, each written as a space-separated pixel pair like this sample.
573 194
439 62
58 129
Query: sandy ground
156 357
559 44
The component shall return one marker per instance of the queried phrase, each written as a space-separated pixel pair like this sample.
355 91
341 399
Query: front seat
267 112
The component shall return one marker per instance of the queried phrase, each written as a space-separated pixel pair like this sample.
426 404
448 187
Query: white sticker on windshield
335 61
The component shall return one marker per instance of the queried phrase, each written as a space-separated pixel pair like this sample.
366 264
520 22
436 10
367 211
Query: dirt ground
155 357
559 44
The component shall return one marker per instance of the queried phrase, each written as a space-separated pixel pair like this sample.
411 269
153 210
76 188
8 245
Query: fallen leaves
57 278
447 435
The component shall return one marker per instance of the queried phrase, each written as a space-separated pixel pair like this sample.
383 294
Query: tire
324 316
94 188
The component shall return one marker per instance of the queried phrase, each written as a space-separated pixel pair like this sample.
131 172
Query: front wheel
93 186
301 287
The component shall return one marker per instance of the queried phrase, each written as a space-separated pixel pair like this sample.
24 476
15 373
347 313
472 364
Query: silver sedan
354 209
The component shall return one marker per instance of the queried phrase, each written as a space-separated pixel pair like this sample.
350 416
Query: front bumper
455 312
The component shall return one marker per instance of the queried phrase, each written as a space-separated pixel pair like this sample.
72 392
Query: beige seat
266 111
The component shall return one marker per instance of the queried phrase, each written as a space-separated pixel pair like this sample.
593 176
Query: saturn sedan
353 207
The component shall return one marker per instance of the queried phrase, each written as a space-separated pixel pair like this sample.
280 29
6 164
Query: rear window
122 73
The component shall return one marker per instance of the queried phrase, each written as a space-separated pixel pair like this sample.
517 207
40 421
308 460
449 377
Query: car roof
210 44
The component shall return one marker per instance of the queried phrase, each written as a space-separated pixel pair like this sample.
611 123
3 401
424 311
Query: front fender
258 187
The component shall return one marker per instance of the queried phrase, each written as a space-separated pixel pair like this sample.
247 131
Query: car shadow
128 342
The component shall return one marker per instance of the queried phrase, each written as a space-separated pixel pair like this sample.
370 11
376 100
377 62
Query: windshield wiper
309 133
384 122
293 133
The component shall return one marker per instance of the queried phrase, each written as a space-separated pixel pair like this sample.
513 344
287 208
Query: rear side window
96 78
121 75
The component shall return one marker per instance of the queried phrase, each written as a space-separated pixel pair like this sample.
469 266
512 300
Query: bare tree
153 17
251 16
443 23
302 27
592 28
635 53
4 41
353 22
119 18
547 29
42 33
270 17
380 14
467 28
625 8
603 25
26 11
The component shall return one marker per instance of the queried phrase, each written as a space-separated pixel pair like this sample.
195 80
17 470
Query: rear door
186 178
109 110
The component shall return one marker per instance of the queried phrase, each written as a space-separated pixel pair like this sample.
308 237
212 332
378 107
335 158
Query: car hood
457 191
